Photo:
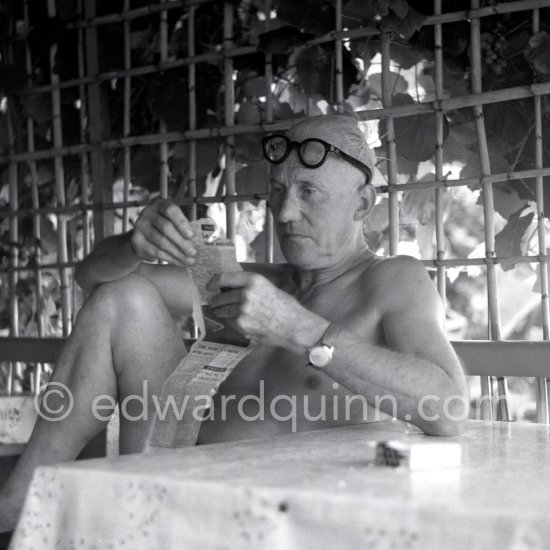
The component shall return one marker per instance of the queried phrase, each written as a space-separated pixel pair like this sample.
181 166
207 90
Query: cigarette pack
421 455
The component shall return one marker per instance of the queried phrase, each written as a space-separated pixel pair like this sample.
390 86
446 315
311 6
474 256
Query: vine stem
522 147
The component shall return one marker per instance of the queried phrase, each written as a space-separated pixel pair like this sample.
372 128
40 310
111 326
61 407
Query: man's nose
289 208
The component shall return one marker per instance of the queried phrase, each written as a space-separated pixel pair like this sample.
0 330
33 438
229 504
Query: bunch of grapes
493 45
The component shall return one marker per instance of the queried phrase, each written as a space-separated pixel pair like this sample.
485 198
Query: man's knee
130 297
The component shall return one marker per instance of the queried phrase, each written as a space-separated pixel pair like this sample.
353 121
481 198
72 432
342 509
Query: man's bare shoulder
397 280
397 267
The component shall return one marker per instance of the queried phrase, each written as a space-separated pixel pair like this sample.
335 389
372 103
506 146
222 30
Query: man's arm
162 232
419 367
113 258
418 371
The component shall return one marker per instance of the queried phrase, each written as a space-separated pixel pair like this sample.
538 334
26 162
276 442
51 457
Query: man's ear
367 200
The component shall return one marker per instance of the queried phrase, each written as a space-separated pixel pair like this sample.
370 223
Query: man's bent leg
123 335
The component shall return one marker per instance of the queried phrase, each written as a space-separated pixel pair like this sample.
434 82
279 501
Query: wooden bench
482 358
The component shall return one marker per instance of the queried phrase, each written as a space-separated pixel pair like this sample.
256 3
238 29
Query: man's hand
162 232
264 313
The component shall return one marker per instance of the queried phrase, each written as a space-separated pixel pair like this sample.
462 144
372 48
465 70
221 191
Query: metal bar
60 190
162 125
192 144
191 73
430 264
452 17
27 349
462 102
362 32
95 133
144 11
339 77
229 102
127 170
84 161
475 182
393 202
144 69
480 357
472 182
542 387
268 75
439 141
488 203
35 201
509 358
134 203
14 250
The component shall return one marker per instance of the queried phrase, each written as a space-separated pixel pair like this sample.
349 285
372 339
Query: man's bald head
319 212
342 131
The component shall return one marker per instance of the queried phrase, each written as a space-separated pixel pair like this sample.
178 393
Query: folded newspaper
188 391
214 255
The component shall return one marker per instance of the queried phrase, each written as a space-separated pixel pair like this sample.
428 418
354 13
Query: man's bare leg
123 335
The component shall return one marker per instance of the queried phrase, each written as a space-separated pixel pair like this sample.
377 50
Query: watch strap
329 336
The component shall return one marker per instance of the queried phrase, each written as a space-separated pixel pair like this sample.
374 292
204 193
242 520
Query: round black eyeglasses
312 152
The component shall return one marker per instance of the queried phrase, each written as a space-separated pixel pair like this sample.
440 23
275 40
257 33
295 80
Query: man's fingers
173 213
231 311
226 298
168 246
152 247
168 230
230 279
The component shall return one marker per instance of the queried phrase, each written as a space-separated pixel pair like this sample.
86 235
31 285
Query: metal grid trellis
96 200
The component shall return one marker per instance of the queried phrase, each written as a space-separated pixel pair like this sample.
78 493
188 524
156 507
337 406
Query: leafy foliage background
303 83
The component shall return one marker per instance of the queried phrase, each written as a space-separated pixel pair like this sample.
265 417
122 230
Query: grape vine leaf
315 67
414 134
168 96
255 87
398 84
168 99
146 168
506 200
38 107
537 54
256 62
364 11
509 241
207 153
248 113
404 27
283 39
12 78
400 8
316 16
252 179
508 121
45 33
248 149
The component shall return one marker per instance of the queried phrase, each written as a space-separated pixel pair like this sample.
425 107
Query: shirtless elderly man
380 317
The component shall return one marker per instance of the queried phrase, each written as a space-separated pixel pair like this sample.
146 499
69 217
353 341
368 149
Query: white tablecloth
310 490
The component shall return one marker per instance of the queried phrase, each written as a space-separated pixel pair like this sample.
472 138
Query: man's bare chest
277 371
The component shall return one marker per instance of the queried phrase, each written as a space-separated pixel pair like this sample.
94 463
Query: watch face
320 356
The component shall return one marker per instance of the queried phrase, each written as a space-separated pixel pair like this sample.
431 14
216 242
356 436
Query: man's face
314 210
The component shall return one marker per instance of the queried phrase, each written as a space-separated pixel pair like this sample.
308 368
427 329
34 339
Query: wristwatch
320 355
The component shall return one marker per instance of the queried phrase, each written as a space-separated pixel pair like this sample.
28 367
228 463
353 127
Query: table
309 490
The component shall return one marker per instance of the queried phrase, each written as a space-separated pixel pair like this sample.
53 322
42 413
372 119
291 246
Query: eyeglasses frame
329 148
